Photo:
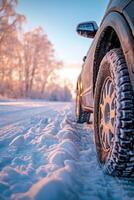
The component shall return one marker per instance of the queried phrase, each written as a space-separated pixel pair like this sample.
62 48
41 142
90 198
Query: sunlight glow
70 74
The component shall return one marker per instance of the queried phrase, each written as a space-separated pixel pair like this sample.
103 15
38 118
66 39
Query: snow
45 154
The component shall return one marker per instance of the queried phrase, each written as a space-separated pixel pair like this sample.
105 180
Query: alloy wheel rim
107 115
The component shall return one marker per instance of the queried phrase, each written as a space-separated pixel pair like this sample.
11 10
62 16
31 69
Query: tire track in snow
53 157
24 151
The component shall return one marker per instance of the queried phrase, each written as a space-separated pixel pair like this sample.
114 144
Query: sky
59 19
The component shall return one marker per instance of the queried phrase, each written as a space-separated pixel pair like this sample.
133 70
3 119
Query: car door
87 76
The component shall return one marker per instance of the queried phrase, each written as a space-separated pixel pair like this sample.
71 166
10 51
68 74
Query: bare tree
27 60
10 24
9 19
39 60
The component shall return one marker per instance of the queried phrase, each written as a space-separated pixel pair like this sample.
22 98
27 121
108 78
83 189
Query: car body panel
129 15
117 5
113 18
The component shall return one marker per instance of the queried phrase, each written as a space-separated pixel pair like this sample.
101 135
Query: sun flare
69 74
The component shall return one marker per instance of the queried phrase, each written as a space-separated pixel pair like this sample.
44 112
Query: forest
27 60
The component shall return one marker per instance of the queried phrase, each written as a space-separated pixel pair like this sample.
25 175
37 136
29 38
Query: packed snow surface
46 155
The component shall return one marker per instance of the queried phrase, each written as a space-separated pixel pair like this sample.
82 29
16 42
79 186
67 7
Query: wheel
81 115
114 116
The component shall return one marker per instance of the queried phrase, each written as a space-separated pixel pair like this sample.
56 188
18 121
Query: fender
124 33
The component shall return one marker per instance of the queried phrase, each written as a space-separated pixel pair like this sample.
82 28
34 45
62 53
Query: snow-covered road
46 155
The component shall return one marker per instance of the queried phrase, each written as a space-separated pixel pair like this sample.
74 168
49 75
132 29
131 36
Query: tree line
27 59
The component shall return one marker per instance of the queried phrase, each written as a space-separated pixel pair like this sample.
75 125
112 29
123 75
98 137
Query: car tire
81 115
114 116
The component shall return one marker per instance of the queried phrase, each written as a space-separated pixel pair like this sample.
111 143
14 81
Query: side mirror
87 29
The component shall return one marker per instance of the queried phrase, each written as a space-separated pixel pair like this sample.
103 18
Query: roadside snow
46 155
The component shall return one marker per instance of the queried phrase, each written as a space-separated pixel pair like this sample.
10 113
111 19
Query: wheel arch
114 33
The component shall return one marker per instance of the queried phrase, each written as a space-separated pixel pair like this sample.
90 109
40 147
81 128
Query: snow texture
46 155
